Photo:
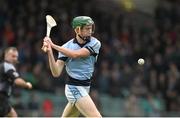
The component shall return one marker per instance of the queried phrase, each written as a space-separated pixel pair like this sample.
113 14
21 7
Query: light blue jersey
81 68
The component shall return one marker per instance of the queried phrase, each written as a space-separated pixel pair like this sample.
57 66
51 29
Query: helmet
81 21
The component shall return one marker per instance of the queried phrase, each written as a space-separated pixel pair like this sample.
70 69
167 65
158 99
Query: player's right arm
20 82
15 77
56 67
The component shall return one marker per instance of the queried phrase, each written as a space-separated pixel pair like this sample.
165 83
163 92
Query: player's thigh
87 107
70 111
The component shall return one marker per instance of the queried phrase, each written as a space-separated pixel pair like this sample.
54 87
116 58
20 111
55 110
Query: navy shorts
5 107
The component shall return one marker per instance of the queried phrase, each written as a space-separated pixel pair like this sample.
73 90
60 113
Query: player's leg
70 111
12 113
5 107
87 107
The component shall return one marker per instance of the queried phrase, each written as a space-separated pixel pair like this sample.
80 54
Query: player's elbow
55 75
57 70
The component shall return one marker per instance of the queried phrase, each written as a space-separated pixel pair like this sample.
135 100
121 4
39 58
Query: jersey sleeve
61 56
94 48
11 72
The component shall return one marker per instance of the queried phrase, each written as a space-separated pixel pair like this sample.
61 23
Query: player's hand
46 45
48 40
29 85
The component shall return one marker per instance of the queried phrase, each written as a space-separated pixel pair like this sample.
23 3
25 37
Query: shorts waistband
72 81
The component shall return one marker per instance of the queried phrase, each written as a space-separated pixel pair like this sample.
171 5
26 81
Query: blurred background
127 29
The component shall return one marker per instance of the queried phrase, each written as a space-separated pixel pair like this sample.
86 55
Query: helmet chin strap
85 38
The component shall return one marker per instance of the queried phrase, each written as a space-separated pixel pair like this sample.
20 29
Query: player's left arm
83 52
14 76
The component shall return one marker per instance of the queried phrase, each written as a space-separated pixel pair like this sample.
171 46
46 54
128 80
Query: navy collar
81 45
